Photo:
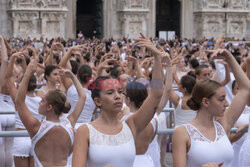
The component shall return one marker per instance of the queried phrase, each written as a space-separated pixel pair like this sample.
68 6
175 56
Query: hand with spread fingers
145 42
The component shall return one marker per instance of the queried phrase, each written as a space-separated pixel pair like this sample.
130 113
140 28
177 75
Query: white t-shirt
89 106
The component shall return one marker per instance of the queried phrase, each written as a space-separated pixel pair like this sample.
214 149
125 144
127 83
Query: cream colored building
124 18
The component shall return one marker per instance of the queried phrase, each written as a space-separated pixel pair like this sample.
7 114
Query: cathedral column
187 18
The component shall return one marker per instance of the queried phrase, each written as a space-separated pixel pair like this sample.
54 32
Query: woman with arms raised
204 141
52 139
107 140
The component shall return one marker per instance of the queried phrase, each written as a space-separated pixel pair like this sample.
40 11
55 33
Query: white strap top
89 106
183 116
44 128
116 150
203 150
33 105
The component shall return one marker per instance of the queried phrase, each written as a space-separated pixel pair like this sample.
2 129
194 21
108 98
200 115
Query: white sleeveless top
89 106
33 105
44 128
244 160
116 150
183 116
203 151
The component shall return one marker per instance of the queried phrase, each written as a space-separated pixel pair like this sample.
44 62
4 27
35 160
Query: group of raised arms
100 102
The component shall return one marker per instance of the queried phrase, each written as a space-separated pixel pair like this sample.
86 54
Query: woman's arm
4 61
143 116
63 63
81 146
241 98
73 117
29 121
180 145
168 85
227 72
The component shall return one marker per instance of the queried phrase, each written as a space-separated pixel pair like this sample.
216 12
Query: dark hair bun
193 104
66 107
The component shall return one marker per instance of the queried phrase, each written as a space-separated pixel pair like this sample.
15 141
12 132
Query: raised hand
66 73
4 55
212 164
145 42
32 66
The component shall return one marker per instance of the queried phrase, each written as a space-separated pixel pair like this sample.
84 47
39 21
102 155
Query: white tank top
116 150
183 116
89 106
33 105
203 150
6 105
44 128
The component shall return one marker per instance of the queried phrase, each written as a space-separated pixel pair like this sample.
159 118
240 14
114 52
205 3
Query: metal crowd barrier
7 112
24 133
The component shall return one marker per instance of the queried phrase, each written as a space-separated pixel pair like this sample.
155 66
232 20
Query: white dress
183 116
22 145
88 109
203 150
243 119
44 128
244 157
146 160
117 150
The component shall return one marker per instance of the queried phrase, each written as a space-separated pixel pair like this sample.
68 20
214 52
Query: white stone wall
215 17
36 18
199 18
3 18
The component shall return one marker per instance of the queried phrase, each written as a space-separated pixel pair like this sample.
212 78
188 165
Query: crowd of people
99 102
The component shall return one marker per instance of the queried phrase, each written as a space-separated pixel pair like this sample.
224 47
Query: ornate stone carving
48 19
134 29
236 28
136 3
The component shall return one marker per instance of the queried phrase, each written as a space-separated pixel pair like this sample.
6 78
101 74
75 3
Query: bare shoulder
83 129
181 133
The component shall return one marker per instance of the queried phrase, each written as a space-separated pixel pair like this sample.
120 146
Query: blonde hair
57 99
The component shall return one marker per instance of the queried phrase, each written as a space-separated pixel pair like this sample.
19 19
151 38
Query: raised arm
146 112
227 72
73 117
167 86
63 63
4 61
29 121
240 100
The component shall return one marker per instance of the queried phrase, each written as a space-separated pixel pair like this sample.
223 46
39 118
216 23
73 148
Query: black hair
194 63
191 73
84 73
32 83
136 92
199 68
233 84
95 86
188 82
75 66
49 69
114 72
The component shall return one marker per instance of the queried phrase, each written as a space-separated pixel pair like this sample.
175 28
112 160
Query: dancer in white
244 155
22 145
205 140
238 138
84 74
52 140
7 121
107 140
